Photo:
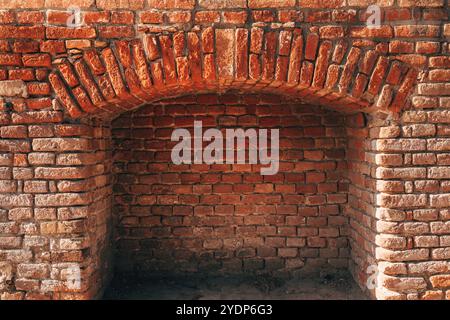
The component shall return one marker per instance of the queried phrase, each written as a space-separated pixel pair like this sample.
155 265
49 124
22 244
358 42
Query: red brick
378 75
25 46
263 16
349 68
256 41
7 17
397 14
23 74
179 44
312 42
123 52
36 60
115 32
416 31
58 17
151 17
268 58
10 59
92 17
89 84
241 54
113 70
401 47
170 4
151 47
93 61
21 32
306 74
168 59
271 3
141 65
63 94
365 32
234 17
207 17
52 46
295 57
331 32
179 16
427 47
70 33
38 88
321 68
225 42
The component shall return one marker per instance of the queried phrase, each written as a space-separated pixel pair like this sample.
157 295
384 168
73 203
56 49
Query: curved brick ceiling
130 73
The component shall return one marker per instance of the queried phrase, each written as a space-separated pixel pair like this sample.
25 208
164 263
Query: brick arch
128 73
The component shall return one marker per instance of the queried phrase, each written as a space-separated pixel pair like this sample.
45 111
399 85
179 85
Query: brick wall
230 218
60 86
56 209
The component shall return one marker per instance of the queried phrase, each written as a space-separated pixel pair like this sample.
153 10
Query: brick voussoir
63 94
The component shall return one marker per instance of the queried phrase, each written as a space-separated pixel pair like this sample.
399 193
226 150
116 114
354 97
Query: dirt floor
323 287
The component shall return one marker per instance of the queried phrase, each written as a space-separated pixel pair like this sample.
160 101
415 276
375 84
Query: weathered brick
70 33
61 199
11 88
33 271
22 32
405 285
12 200
270 3
225 42
402 200
401 144
60 144
151 16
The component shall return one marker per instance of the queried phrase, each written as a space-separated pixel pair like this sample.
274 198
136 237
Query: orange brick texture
85 115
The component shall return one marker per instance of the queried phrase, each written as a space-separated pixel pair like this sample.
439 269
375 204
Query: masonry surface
86 185
229 218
